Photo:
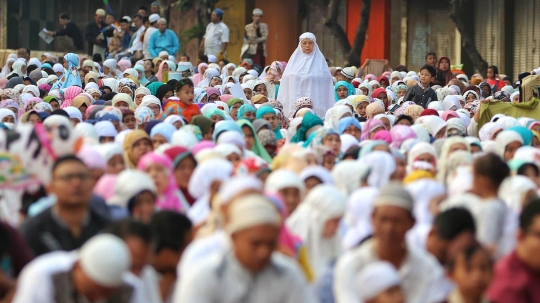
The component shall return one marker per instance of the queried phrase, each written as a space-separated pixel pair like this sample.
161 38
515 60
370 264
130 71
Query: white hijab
307 75
324 202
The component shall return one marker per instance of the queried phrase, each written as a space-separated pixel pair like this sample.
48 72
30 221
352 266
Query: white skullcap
232 187
58 68
163 53
252 210
394 194
257 11
162 20
212 59
375 278
153 18
105 259
100 12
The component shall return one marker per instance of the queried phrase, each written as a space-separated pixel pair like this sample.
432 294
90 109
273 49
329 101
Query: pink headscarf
274 72
383 135
3 82
370 126
212 90
105 186
170 199
159 74
45 87
125 64
400 133
204 144
69 94
225 98
199 76
449 114
370 77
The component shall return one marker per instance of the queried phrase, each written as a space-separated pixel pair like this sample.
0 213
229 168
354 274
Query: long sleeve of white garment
344 277
472 130
137 43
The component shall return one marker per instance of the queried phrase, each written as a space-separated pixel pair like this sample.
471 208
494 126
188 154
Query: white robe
307 75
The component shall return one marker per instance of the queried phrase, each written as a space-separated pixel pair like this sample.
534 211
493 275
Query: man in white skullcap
423 278
379 282
98 272
250 270
255 45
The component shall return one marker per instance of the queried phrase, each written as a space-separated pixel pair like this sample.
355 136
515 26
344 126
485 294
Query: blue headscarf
263 110
224 126
244 109
164 129
347 85
524 133
143 79
346 122
71 76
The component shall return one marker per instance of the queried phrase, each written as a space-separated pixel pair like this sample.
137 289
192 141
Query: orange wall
377 44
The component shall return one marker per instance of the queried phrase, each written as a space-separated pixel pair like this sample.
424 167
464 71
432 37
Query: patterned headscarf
143 115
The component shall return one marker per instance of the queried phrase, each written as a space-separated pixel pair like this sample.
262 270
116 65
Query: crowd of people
291 182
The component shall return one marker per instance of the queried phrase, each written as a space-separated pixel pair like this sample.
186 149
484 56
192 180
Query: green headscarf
202 122
153 87
264 110
308 122
48 99
232 102
257 148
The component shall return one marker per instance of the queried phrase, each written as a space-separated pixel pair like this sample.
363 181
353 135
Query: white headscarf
505 138
130 183
358 216
307 75
17 66
433 123
323 203
382 166
334 114
451 102
347 175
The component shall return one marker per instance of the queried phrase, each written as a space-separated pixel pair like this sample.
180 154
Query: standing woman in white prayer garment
307 75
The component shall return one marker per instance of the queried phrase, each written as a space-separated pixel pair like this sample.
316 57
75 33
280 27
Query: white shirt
222 279
137 43
200 249
35 283
422 277
216 34
147 36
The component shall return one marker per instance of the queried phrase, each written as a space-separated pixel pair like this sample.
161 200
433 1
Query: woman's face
404 122
535 142
441 133
138 99
155 109
147 66
23 69
401 93
372 134
116 164
445 65
365 91
329 161
159 174
34 118
121 105
213 98
384 98
261 90
183 172
428 158
330 227
96 96
353 131
106 70
126 90
511 149
203 70
249 115
272 118
249 137
234 158
361 109
516 99
231 70
8 119
167 96
401 170
311 182
215 81
307 46
342 92
470 98
158 140
234 110
216 118
292 197
83 109
333 142
139 149
165 67
129 121
14 110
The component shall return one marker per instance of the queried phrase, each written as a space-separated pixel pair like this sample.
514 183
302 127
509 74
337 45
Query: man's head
138 238
124 25
23 53
153 19
172 233
71 182
111 19
453 230
162 24
217 15
528 244
154 7
103 261
392 215
99 15
427 74
143 11
63 19
489 171
257 15
254 224
431 59
138 20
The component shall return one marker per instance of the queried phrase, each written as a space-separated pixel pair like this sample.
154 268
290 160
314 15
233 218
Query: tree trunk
353 57
468 43
333 25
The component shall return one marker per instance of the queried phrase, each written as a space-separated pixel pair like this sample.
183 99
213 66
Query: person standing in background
96 41
216 38
154 8
152 28
71 30
257 34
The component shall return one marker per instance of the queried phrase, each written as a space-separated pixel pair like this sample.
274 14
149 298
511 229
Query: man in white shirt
149 31
216 38
137 44
99 272
422 277
251 270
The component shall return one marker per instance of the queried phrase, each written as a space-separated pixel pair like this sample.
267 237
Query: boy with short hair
422 94
431 59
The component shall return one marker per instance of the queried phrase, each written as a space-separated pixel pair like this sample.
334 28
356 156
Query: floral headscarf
143 115
13 95
170 109
31 103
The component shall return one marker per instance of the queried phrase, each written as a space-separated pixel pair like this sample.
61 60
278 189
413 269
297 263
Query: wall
377 42
181 21
235 19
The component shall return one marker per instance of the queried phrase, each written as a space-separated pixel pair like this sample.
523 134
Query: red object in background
377 43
